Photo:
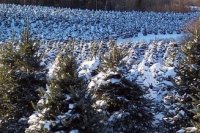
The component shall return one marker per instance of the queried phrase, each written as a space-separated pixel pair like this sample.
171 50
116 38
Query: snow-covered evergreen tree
119 101
63 107
20 76
189 75
171 55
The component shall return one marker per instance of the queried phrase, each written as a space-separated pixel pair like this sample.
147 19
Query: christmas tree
62 107
189 74
20 76
119 101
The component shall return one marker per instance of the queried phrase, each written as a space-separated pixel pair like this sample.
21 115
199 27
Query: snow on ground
87 67
151 37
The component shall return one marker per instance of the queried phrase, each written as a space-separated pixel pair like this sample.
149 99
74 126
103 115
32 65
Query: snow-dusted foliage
119 102
21 74
61 23
188 76
60 106
55 113
87 68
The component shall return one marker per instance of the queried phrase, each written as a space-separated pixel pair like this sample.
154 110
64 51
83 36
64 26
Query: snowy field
60 24
152 37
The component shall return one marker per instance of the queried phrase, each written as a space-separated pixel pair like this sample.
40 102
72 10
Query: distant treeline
121 5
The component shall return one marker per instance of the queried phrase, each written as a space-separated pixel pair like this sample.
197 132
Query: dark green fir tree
119 100
189 74
63 107
20 76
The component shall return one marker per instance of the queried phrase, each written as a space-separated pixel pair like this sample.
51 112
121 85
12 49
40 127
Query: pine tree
189 74
171 55
120 104
119 101
95 49
20 76
144 32
63 106
112 60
